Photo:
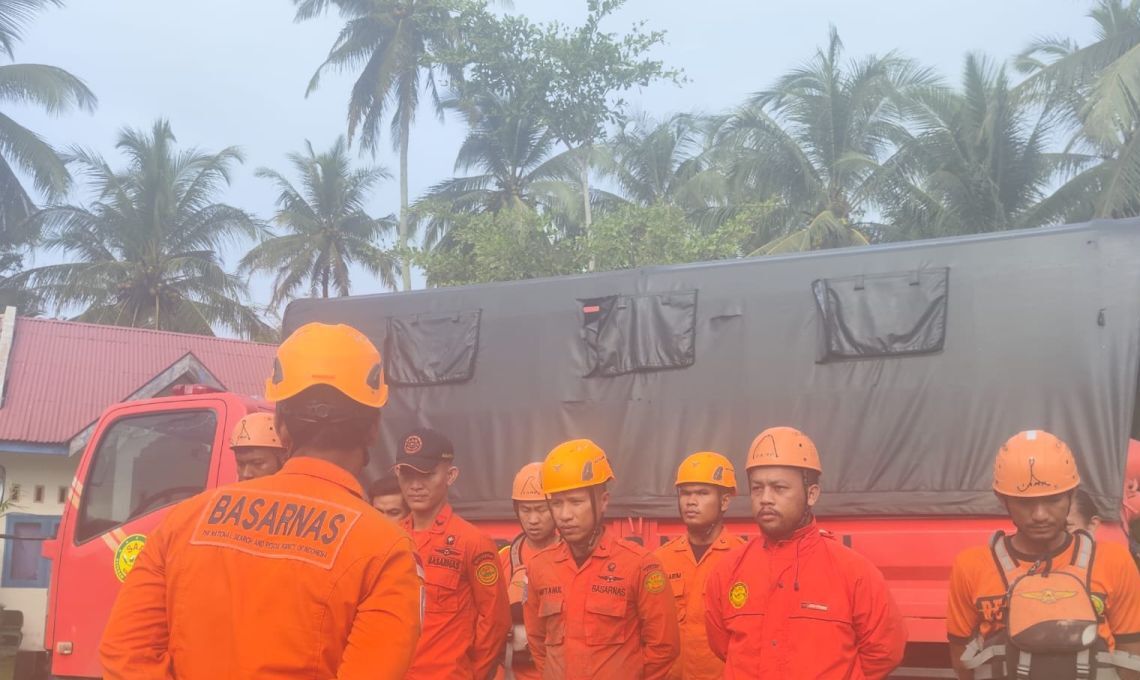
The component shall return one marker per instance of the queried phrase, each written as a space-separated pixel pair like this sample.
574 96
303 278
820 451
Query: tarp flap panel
884 315
629 333
1040 329
432 349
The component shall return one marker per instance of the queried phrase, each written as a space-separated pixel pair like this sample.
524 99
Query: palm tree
976 162
513 147
328 229
145 253
814 140
50 88
1097 88
396 44
664 162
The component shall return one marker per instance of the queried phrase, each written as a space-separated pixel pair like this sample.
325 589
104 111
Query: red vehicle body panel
83 582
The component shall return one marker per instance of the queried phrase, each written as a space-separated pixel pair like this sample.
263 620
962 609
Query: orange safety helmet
576 464
1035 463
706 467
256 430
784 447
323 354
528 484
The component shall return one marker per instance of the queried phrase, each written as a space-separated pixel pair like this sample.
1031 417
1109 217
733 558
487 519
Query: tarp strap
1084 668
1084 550
1001 554
1024 664
977 653
1120 659
977 657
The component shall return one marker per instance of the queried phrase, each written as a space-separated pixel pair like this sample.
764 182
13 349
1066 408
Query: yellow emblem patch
487 573
738 595
126 554
1098 604
1050 596
655 581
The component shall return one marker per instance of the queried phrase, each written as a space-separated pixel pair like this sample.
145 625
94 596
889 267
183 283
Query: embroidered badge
655 581
1098 604
487 573
738 595
1050 596
126 554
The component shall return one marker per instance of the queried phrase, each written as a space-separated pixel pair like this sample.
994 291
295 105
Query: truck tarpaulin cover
908 364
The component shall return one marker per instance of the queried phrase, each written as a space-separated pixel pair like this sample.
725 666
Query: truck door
145 458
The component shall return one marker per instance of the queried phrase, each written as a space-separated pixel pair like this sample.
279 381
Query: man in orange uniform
1035 476
706 483
258 450
292 575
796 603
387 498
467 614
597 607
534 517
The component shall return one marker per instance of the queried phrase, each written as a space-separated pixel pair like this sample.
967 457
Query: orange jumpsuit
805 607
467 614
687 577
612 617
287 576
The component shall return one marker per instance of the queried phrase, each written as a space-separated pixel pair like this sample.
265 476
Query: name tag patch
276 525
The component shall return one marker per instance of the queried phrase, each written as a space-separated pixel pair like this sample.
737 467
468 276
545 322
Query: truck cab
142 458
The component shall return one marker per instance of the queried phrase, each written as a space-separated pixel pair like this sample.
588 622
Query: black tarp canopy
908 364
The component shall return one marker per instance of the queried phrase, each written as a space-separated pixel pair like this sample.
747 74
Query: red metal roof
62 375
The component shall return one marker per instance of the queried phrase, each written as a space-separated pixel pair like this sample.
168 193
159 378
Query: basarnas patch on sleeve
126 554
655 581
738 594
487 574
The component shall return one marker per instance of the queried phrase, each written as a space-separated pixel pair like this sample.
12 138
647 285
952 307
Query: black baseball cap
423 449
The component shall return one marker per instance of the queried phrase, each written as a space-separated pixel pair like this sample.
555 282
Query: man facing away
291 575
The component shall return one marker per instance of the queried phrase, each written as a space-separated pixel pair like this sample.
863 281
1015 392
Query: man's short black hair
388 485
810 477
322 417
1086 506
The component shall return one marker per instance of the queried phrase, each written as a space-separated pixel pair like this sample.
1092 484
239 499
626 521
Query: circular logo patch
1098 605
738 595
413 444
126 554
655 581
487 573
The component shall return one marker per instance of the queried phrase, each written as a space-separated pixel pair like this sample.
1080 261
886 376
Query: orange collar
437 527
601 550
323 470
720 543
808 534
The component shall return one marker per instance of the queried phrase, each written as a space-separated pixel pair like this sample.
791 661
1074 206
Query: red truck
908 364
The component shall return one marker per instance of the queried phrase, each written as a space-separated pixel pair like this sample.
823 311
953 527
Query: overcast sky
234 72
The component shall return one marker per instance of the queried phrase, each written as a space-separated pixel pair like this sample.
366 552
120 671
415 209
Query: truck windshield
143 463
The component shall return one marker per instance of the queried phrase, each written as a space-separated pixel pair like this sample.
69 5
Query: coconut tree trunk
586 200
405 261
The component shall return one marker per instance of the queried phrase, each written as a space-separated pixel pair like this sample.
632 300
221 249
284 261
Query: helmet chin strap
597 532
590 543
706 533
